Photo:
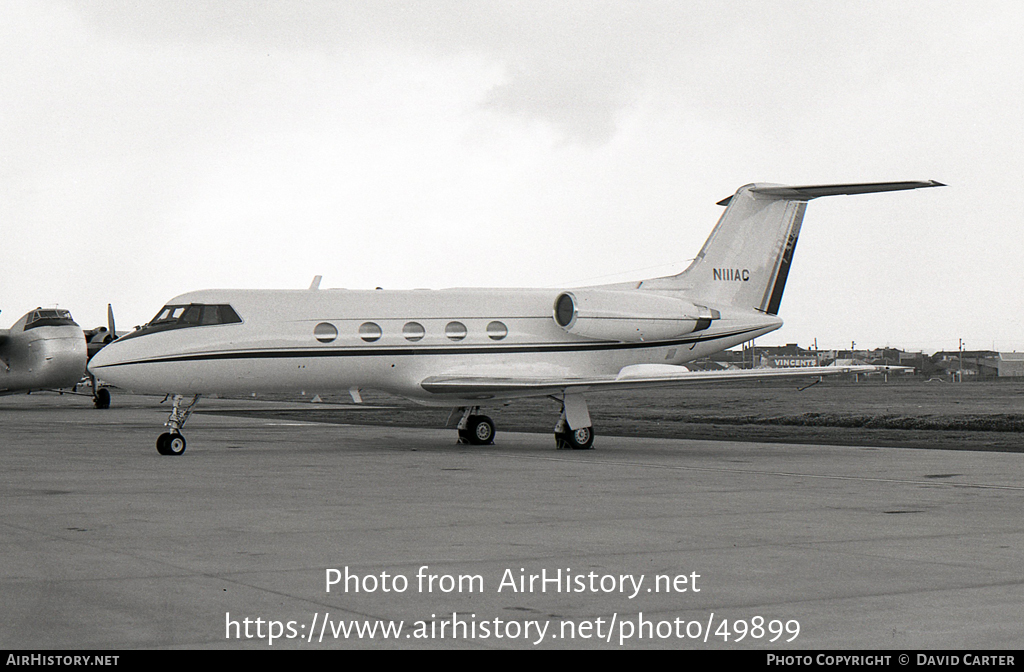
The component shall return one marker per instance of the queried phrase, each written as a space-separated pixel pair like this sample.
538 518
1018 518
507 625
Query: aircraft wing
641 375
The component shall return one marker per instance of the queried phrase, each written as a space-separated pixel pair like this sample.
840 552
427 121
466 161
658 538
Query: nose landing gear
101 399
172 442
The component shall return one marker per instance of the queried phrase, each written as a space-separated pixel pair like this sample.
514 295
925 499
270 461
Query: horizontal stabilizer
806 193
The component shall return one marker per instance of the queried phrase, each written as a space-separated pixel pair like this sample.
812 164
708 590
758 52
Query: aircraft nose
104 366
61 361
106 357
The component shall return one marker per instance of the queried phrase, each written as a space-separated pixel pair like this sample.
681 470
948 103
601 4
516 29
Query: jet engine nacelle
629 315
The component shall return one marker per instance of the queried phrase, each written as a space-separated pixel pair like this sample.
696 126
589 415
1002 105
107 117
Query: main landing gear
475 429
172 442
574 430
574 439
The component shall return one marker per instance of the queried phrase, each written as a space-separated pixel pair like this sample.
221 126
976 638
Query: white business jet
466 347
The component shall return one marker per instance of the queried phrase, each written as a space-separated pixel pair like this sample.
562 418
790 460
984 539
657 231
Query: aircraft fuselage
323 340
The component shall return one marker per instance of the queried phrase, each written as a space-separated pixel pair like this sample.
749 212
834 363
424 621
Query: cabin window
456 331
564 310
497 331
369 332
325 332
413 331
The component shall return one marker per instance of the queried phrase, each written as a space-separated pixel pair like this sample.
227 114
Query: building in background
1010 365
974 364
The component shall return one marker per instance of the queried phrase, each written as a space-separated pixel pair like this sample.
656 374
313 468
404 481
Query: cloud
573 65
499 143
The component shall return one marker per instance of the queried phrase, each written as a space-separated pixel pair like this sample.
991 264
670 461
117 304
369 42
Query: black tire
161 443
102 398
481 430
577 439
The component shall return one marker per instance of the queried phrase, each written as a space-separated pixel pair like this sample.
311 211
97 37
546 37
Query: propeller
100 336
112 333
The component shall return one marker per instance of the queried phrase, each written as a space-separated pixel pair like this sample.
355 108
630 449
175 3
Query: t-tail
746 259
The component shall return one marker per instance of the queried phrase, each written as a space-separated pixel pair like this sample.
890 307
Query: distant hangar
1011 364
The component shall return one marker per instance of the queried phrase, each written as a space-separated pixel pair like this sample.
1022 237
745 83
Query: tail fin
746 259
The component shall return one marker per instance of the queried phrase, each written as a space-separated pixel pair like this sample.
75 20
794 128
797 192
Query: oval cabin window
413 331
325 333
497 331
456 331
369 332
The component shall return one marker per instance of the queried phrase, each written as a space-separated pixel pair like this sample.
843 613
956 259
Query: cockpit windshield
195 314
189 315
49 317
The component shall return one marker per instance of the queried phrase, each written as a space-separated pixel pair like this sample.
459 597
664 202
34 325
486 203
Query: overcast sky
149 149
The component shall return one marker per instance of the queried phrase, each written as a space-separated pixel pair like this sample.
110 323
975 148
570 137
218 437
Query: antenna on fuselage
316 282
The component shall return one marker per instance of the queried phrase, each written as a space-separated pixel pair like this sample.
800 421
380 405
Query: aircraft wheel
170 444
481 430
101 398
577 439
176 444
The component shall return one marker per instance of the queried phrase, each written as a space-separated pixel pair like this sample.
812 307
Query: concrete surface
106 544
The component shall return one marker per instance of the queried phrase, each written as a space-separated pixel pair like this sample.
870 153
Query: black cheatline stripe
447 350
